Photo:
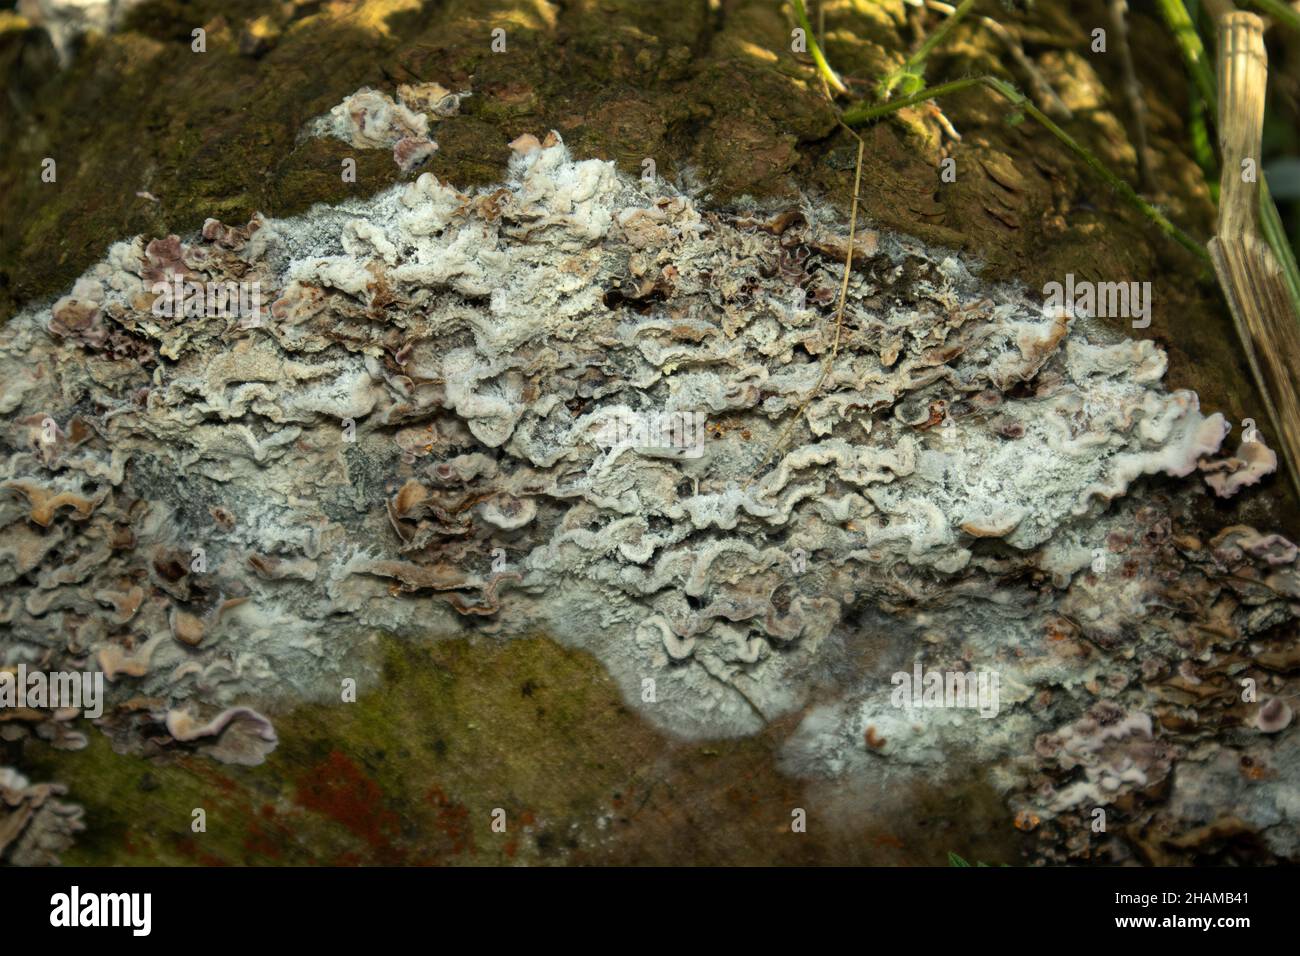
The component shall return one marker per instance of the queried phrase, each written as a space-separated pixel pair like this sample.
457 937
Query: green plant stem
1198 128
869 112
911 75
1193 50
1270 221
937 37
866 113
823 66
1279 11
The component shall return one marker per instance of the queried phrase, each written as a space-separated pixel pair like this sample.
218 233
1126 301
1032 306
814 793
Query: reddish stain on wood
336 788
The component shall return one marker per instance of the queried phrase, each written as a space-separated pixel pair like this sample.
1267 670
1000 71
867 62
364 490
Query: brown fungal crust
415 438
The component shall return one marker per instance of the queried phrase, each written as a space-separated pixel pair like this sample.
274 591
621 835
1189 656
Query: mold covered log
376 499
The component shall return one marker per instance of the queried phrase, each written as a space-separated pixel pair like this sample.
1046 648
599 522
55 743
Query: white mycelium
408 441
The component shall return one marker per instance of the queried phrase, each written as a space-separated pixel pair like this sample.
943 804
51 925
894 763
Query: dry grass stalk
1248 271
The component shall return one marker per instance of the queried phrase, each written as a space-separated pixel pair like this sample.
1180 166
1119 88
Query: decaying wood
1248 271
